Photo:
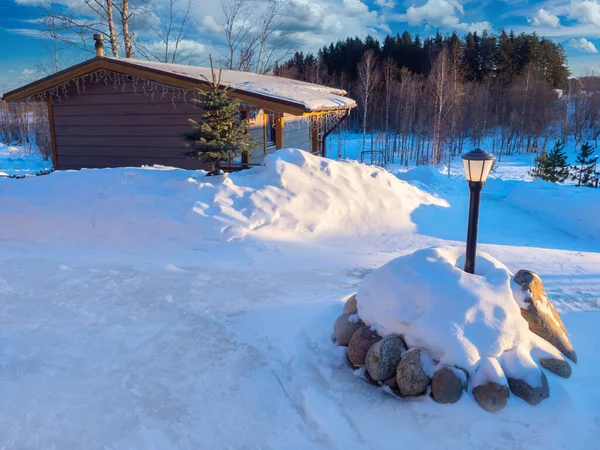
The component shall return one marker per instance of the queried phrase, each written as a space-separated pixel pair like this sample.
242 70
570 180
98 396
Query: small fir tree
552 166
586 163
221 133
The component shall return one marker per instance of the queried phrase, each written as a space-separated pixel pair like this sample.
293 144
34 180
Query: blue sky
311 24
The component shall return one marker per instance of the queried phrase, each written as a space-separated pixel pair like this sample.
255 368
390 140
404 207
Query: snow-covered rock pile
421 324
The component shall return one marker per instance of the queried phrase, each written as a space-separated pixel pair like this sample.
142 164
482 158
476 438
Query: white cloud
28 75
586 12
544 18
439 13
313 23
30 32
208 25
33 2
480 27
355 7
386 3
434 12
583 45
187 50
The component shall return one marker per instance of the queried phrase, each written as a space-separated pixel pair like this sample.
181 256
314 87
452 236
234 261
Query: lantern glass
477 170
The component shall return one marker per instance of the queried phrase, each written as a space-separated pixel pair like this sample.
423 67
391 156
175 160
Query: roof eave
53 80
156 75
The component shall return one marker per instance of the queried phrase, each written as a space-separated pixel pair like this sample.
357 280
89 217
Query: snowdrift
573 210
294 195
576 210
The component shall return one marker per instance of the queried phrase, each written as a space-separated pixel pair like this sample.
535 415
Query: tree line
553 166
425 99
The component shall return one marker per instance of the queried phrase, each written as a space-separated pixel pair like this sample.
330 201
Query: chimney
99 45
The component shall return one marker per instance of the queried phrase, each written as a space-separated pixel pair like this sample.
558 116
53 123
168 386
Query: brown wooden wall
106 127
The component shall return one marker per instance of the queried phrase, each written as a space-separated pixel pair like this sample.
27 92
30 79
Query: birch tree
98 17
253 41
440 85
169 29
53 42
126 16
368 77
389 71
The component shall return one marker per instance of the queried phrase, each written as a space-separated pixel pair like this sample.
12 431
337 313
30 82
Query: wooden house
110 112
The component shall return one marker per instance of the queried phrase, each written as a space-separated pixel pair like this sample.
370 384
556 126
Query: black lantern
478 164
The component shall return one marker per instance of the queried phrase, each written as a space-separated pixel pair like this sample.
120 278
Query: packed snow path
227 344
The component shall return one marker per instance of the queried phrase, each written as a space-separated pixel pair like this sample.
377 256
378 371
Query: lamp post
597 177
478 164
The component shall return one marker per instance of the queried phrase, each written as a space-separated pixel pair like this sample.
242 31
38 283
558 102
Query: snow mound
425 175
294 195
458 317
576 210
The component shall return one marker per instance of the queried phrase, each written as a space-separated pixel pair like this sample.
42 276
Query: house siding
106 127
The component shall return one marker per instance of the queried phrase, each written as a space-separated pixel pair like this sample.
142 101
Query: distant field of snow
508 167
16 160
156 308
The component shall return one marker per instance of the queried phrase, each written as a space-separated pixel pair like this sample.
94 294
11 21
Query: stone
391 383
412 372
560 367
345 326
540 314
351 307
491 396
532 395
359 345
383 358
370 380
447 384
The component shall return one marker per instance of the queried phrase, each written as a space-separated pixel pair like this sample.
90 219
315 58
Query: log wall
106 127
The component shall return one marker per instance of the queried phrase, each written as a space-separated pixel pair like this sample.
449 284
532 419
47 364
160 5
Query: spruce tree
552 166
221 133
586 162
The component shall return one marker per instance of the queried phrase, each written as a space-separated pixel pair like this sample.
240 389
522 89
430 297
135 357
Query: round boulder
491 396
532 395
391 383
359 345
560 367
448 384
383 358
345 326
412 373
351 307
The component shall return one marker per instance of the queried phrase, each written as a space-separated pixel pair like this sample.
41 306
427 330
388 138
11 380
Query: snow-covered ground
18 160
348 145
158 308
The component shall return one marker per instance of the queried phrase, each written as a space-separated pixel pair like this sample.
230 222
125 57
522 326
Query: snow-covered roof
313 97
267 91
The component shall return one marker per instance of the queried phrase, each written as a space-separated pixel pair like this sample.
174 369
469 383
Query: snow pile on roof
460 318
294 195
313 97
